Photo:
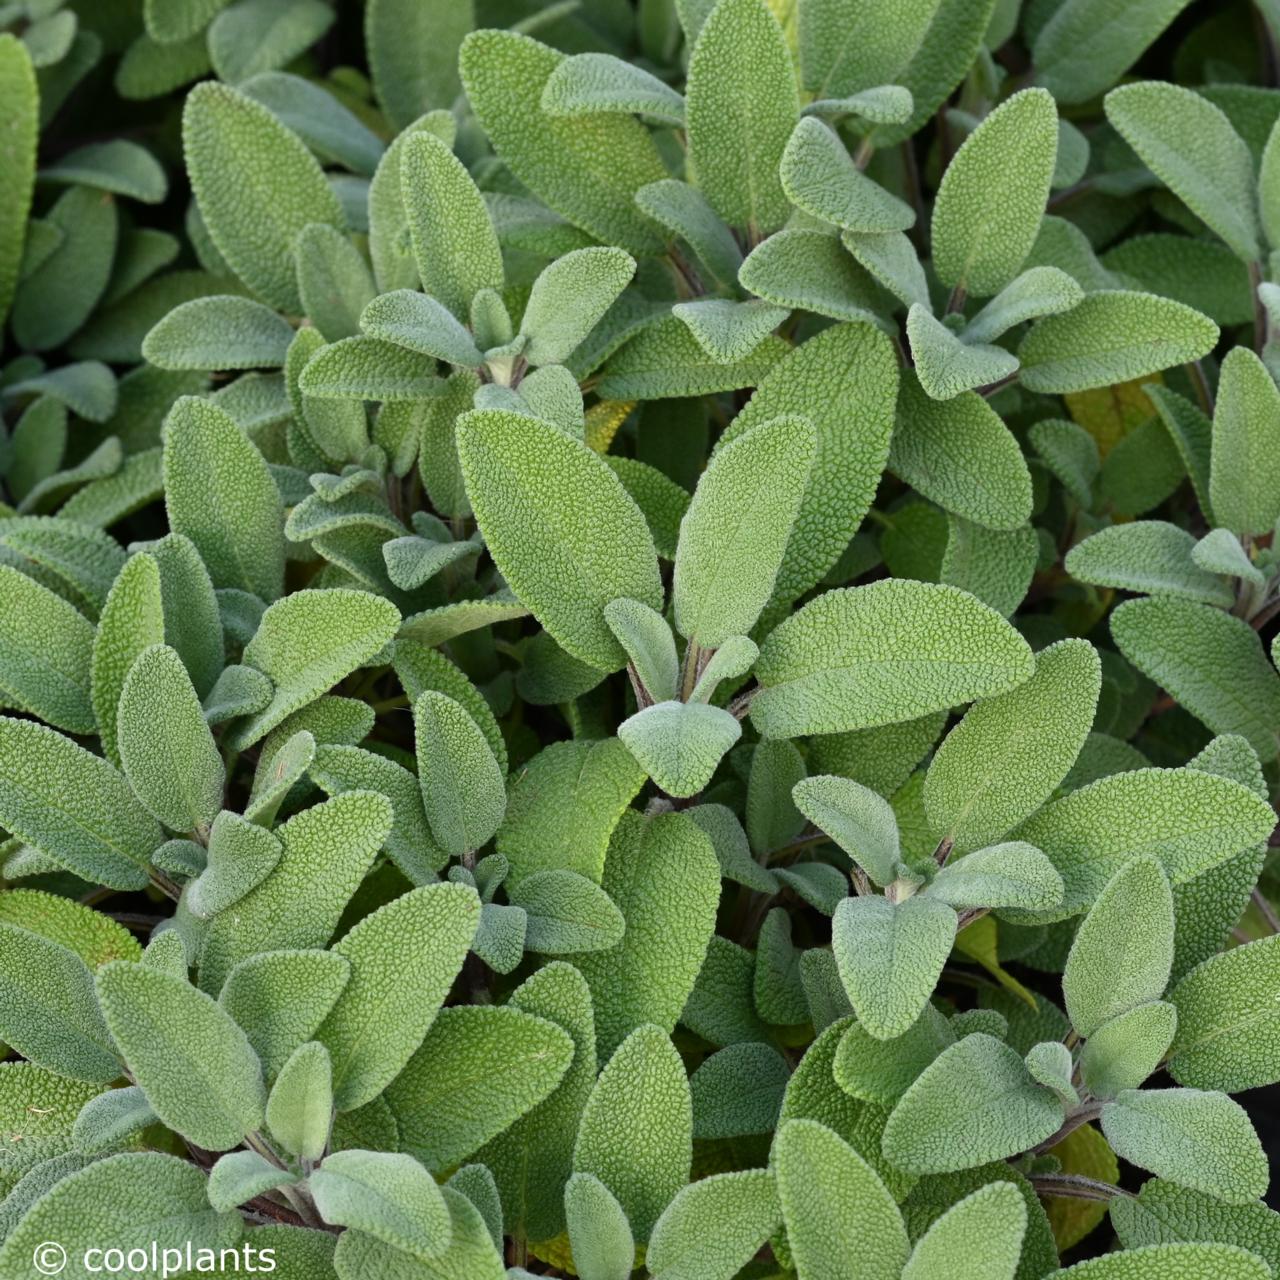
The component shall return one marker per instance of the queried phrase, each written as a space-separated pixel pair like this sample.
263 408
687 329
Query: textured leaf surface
714 1226
873 655
20 95
985 1228
564 532
1244 470
1147 555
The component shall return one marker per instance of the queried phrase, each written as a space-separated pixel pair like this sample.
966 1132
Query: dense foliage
636 637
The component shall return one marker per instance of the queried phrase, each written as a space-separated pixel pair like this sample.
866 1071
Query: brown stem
1077 1187
1081 1116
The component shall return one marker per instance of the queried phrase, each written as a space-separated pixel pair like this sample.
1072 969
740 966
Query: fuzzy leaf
663 876
985 1229
1190 145
1244 469
741 105
568 299
420 323
1010 752
1001 875
959 453
389 1196
218 332
413 53
820 177
589 83
73 806
1112 336
894 650
944 365
462 784
835 1207
637 1128
650 646
240 157
599 1233
811 271
1124 1051
680 744
46 653
1213 663
976 1102
567 913
1227 1020
735 533
1038 291
167 752
683 210
309 641
714 1226
890 955
1123 950
404 958
858 820
560 526
20 95
585 168
1150 556
1202 1140
195 1065
729 331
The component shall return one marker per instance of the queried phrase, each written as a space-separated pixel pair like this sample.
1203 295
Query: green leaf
239 1176
738 1091
106 1121
1219 551
881 104
680 744
729 331
959 453
391 1197
684 211
650 646
996 565
811 271
1038 291
196 1066
1123 951
944 365
1050 1064
533 1158
333 280
835 1207
404 958
858 820
48 1012
1227 1020
894 650
280 998
714 1227
328 849
560 527
992 196
306 643
1190 145
73 806
844 381
1202 1140
1086 45
1002 875
564 806
741 105
241 855
218 332
1244 472
585 168
241 158
1164 1212
662 874
20 96
1188 819
454 241
1147 555
735 533
636 1134
1213 663
263 35
471 1254
46 653
1112 336
820 177
135 1201
599 1233
479 1069
985 1229
167 752
890 955
300 1105
568 299
880 1071
1010 752
363 368
590 83
462 783
567 913
192 620
419 323
219 493
93 936
413 54
975 1102
1124 1051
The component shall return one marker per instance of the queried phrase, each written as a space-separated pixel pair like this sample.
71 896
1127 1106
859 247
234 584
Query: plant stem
1077 1187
